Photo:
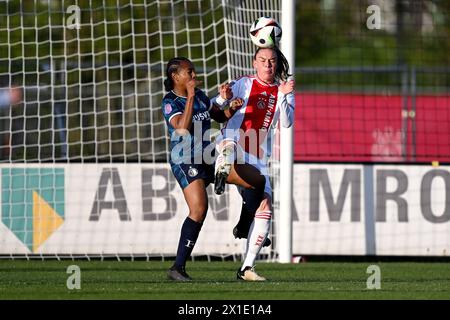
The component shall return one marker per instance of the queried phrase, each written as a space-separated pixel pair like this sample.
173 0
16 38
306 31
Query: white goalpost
286 149
84 149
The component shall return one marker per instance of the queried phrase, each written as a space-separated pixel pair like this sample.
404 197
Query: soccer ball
265 32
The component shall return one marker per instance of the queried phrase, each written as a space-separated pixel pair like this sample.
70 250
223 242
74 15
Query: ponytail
282 72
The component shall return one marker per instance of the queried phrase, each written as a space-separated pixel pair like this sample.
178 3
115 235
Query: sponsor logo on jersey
269 113
201 116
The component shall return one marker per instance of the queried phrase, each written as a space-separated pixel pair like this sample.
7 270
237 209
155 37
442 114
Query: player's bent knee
265 205
260 182
263 214
198 214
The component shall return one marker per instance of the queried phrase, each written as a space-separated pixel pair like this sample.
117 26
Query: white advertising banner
371 210
106 209
129 209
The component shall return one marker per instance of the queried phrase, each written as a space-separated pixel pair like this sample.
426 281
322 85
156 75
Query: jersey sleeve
170 109
236 88
287 106
231 131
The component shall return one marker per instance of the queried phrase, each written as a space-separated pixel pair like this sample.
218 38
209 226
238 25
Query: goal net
84 148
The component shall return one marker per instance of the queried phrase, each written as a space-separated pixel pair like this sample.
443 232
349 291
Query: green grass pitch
21 279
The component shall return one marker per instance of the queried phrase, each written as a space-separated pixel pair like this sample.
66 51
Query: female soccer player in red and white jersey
245 144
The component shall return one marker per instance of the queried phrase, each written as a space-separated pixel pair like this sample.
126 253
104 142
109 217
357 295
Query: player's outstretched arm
220 115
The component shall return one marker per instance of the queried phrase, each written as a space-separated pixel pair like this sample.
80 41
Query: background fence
86 97
373 86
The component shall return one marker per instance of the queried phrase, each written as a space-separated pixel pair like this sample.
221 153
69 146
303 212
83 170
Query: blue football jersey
188 148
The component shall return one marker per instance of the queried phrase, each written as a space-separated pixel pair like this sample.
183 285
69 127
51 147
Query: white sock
256 237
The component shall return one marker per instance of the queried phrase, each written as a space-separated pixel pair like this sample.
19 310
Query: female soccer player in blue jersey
188 112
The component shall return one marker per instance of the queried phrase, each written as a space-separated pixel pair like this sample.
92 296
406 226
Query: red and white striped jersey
253 124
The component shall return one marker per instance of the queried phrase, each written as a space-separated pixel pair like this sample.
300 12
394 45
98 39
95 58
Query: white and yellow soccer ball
265 32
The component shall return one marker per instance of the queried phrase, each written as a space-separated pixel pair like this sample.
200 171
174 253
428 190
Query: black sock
189 234
251 201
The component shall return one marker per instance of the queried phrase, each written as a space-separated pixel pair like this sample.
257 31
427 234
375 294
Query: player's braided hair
172 66
282 71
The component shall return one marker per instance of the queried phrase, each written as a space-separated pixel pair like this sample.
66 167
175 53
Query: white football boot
223 164
249 274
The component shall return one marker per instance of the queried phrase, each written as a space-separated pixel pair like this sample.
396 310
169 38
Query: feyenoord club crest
192 172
